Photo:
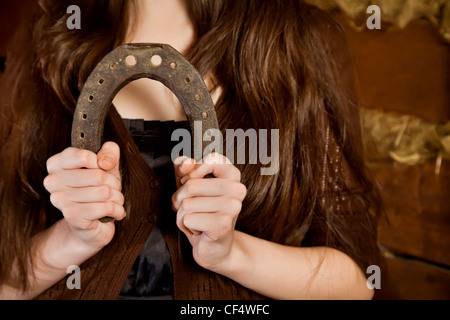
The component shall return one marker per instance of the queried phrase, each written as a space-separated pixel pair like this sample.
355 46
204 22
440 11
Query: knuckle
70 213
235 206
83 157
191 186
121 199
174 198
240 190
122 215
57 199
49 182
186 220
50 163
225 224
99 177
180 219
109 208
218 157
186 205
237 173
214 158
105 192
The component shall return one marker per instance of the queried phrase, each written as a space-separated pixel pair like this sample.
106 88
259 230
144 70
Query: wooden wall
408 72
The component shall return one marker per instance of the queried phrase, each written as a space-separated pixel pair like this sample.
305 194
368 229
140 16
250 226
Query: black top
151 275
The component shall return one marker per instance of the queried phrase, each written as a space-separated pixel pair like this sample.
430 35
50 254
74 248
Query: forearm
283 272
54 250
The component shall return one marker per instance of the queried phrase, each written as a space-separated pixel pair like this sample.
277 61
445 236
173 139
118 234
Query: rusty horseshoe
130 62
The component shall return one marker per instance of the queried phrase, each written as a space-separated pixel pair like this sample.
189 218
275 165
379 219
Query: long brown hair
277 71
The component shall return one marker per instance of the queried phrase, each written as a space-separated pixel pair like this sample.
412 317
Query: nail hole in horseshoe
82 136
173 65
91 98
187 79
101 81
113 66
197 97
84 117
156 60
130 61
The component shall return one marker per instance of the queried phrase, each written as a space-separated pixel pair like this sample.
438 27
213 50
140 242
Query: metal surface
130 62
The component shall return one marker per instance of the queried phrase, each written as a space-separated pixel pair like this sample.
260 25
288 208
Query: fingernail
187 160
180 160
110 159
184 179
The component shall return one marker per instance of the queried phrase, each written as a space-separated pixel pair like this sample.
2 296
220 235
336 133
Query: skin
83 196
207 209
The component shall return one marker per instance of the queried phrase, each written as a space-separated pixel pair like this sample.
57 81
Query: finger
79 178
109 158
72 158
95 194
203 204
183 166
207 205
208 188
217 165
83 214
214 226
65 198
190 206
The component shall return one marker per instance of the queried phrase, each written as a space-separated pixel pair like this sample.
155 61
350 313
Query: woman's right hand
85 187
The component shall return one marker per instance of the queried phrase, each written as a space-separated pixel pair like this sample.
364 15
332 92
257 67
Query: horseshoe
130 62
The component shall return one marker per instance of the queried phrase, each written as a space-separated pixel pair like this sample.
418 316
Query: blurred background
404 90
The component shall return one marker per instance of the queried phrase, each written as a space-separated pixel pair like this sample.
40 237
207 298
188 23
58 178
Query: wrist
237 262
61 248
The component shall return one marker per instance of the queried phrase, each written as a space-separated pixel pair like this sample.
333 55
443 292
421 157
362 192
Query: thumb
108 158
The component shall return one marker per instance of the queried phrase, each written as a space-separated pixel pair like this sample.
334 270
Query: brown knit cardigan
103 275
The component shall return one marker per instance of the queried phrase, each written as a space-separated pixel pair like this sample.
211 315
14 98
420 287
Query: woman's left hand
207 209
